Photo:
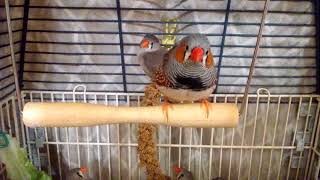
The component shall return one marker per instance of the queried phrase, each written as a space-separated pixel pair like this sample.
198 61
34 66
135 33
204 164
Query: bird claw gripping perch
206 104
169 28
165 108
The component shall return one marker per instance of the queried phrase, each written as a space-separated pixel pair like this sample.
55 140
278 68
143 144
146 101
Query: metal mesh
263 146
6 74
95 43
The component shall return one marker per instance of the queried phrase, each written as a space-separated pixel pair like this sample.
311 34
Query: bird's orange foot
165 108
206 104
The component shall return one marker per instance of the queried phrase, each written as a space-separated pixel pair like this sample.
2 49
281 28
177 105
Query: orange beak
196 54
144 43
84 169
177 169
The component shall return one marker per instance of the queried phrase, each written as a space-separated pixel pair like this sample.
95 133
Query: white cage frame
50 142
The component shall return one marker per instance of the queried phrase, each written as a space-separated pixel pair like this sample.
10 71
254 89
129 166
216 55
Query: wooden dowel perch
85 114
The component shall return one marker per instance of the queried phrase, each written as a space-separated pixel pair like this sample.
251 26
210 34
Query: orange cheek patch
209 60
180 53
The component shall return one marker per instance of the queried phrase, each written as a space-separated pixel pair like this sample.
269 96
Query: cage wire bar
125 57
300 119
46 145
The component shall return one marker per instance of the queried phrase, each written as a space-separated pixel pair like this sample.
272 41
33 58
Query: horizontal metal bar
268 76
175 145
176 22
223 66
6 77
70 82
271 85
6 86
8 66
123 99
79 54
7 94
13 19
139 83
13 6
137 44
140 74
6 45
167 9
8 55
132 54
273 67
85 73
103 93
13 31
73 64
74 43
50 90
161 33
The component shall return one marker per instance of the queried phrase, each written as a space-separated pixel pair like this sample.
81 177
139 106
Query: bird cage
85 51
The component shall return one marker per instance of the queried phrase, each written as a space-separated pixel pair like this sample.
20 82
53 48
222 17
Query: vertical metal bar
222 141
108 141
67 135
36 136
28 136
264 137
119 148
316 5
274 136
15 118
255 53
77 132
139 170
57 140
253 135
284 136
121 46
304 134
313 144
8 118
226 19
98 142
129 141
231 150
13 59
180 141
23 40
242 137
211 143
190 149
2 118
210 154
169 150
294 137
23 135
200 158
47 144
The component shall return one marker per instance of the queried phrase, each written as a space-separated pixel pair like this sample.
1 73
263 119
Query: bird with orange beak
150 55
185 73
182 173
188 73
77 174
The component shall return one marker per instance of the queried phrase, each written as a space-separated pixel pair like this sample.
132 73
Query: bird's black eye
187 47
207 52
181 175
